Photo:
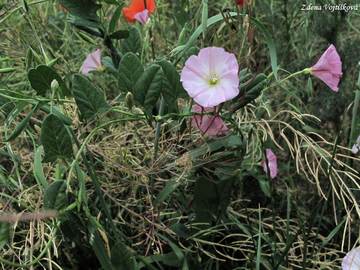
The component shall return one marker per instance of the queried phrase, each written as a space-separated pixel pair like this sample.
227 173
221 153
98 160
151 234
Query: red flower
240 3
137 8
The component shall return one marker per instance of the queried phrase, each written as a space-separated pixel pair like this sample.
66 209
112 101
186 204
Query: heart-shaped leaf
121 257
85 9
148 87
55 139
173 87
55 195
89 99
130 70
133 42
41 77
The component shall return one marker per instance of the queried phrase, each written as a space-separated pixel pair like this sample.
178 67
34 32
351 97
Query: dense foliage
179 134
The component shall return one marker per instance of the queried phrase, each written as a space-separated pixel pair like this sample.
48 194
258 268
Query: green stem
304 71
158 128
355 114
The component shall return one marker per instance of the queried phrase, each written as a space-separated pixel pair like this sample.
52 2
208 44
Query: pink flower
139 10
329 68
210 125
92 62
211 77
142 17
352 260
271 163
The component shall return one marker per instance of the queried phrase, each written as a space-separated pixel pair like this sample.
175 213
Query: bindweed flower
328 68
352 260
211 77
139 10
356 147
92 62
271 163
142 17
210 125
240 3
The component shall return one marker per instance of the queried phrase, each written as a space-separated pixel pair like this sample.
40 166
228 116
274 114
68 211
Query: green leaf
4 234
250 90
114 19
265 186
54 110
309 87
130 70
120 34
271 45
133 42
55 139
22 125
41 77
98 246
173 87
85 9
180 229
55 195
89 99
121 257
169 188
177 251
38 169
169 259
148 87
332 234
211 198
204 17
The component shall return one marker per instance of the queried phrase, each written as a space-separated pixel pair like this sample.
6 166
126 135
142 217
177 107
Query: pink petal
329 68
211 62
142 17
352 260
209 125
272 163
92 62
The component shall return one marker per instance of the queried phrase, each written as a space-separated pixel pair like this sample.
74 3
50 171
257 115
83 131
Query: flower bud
129 100
54 85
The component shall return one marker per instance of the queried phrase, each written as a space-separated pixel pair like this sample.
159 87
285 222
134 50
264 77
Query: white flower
356 147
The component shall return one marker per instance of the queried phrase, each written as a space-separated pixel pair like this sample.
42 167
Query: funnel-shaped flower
352 260
211 77
210 125
329 68
92 62
139 10
142 17
271 163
